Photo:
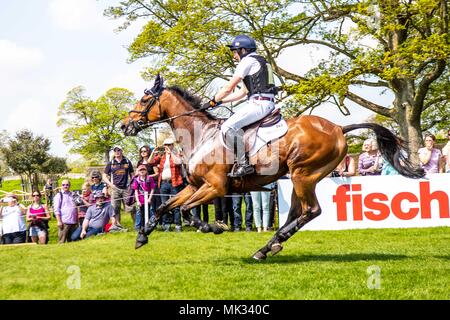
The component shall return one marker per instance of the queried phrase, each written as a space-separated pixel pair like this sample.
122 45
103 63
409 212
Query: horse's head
146 111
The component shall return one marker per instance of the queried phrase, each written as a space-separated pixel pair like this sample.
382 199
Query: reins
170 119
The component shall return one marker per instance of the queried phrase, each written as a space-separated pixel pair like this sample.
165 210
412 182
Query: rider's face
236 55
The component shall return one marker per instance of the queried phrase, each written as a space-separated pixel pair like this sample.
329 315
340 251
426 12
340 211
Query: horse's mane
194 101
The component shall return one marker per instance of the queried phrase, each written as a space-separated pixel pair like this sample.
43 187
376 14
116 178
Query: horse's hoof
216 229
259 256
276 247
141 240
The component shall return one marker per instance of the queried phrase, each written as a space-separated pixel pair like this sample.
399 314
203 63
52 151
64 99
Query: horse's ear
158 87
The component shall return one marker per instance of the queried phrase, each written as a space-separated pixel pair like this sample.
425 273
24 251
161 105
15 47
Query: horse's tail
392 149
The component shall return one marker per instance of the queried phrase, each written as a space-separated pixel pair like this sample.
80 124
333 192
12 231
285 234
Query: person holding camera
97 217
170 180
38 217
66 212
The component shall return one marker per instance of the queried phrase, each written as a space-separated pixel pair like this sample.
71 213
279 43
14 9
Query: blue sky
48 47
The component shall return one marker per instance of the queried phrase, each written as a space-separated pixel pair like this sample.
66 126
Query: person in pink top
38 217
141 184
429 156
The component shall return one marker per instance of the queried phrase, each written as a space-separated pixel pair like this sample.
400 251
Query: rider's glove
211 104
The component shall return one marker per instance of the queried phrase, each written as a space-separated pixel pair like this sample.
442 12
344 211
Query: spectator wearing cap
429 156
170 180
66 212
142 184
446 154
147 157
97 216
121 172
13 227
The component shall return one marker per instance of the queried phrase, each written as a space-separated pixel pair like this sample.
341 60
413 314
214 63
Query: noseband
140 124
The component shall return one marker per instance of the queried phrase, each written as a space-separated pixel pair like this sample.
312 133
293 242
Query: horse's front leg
204 194
173 202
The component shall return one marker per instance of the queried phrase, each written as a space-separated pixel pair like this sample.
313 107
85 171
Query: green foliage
28 155
402 47
93 127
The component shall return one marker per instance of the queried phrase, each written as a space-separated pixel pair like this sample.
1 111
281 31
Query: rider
260 90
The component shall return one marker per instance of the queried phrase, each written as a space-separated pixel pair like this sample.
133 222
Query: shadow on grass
348 257
447 257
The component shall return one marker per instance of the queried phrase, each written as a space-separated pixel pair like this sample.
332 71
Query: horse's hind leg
304 208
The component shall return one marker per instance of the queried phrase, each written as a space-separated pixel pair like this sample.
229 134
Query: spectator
369 163
197 212
141 184
261 208
13 227
446 154
121 171
97 217
237 211
97 184
66 212
87 199
346 168
49 193
38 216
223 212
1 182
170 181
429 156
147 157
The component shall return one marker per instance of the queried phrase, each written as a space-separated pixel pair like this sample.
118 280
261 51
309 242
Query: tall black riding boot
242 167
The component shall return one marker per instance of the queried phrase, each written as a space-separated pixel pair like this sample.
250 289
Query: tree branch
368 105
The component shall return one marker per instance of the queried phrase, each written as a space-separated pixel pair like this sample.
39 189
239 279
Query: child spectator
143 183
429 156
88 200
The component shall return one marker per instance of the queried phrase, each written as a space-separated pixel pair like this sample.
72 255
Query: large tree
401 46
92 127
28 155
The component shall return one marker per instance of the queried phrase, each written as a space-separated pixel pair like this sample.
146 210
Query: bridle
140 124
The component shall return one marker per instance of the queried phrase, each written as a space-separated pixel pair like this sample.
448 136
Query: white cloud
15 58
75 15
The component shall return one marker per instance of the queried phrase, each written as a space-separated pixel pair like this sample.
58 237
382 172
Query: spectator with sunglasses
97 184
38 217
66 212
117 175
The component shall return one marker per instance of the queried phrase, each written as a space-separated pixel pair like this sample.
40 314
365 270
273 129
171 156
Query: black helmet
243 41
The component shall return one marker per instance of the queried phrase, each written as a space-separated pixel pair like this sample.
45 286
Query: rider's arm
227 90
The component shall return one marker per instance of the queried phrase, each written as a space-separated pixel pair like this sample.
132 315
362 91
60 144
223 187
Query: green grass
11 185
414 264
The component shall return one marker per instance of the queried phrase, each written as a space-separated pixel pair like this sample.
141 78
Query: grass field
412 264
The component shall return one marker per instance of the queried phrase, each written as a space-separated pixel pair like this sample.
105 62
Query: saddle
250 131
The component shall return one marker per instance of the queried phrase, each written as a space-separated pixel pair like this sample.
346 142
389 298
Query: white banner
375 202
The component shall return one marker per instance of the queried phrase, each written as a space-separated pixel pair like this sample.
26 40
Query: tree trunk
106 156
406 115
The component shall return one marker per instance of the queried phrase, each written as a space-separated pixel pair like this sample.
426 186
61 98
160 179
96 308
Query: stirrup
241 170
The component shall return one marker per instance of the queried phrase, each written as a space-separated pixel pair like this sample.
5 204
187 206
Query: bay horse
309 151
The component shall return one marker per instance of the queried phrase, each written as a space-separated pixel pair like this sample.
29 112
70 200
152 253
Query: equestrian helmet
243 41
